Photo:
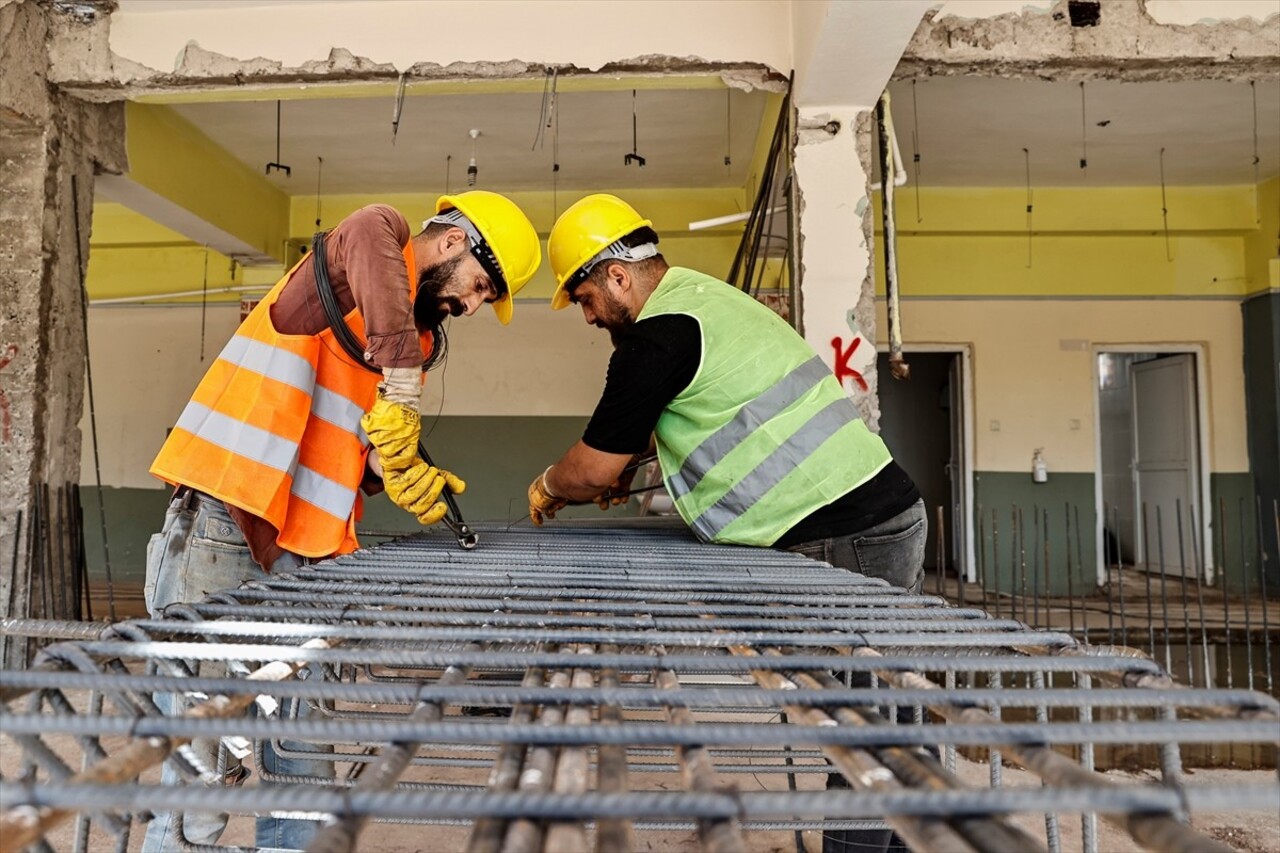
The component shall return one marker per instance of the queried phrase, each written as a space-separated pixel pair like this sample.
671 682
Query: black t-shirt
656 359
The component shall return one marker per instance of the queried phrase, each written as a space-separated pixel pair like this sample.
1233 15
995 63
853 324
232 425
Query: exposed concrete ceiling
972 131
682 134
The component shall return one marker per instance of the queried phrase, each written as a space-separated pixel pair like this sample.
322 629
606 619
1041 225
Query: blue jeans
892 551
201 550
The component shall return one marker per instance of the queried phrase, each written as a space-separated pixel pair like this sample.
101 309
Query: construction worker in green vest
757 441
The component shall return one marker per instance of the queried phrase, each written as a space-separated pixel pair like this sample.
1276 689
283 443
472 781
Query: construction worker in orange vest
314 399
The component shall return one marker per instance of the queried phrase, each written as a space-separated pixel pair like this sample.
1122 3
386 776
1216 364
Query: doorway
1152 483
925 423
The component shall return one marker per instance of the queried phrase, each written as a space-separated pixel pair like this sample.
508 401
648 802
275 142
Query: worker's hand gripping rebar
467 538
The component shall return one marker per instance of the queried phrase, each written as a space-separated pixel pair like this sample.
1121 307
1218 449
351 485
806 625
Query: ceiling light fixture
473 172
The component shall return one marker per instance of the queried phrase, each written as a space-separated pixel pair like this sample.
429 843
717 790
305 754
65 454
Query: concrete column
49 145
837 294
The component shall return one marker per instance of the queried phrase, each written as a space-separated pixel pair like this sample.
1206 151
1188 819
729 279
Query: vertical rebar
83 822
938 541
1197 562
982 557
526 835
719 835
1225 590
1035 564
1164 591
1146 574
1111 616
612 833
1022 560
1071 592
993 756
1048 587
1050 819
1182 585
995 558
1171 755
1124 619
1246 603
1262 581
1084 611
949 750
487 833
1088 820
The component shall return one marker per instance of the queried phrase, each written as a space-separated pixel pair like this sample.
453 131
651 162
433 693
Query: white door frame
1202 447
965 351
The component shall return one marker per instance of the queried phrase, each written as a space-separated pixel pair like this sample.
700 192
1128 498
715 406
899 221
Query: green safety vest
763 435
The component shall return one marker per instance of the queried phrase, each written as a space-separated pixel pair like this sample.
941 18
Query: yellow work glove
417 490
393 428
542 503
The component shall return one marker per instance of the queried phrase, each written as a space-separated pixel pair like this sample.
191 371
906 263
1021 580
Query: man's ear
450 240
619 275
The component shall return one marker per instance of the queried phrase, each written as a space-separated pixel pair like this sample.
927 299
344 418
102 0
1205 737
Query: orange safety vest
274 428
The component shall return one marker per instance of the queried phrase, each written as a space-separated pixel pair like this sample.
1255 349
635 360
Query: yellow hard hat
508 248
587 227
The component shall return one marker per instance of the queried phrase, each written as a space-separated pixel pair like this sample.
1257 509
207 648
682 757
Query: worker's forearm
583 474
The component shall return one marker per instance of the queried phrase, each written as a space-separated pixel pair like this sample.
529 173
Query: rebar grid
594 673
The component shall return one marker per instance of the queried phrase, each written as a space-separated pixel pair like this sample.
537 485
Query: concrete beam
846 52
181 179
158 45
1134 40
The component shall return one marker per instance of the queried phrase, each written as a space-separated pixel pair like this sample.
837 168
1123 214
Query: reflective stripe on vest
763 435
275 363
798 447
274 429
771 403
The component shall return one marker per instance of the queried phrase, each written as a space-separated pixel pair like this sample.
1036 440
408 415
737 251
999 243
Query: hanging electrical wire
634 156
397 109
1253 88
548 107
276 164
319 169
728 127
555 157
1084 137
204 300
915 146
1164 209
1026 154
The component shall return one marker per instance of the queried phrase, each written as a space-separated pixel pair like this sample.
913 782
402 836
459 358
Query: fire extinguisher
1039 470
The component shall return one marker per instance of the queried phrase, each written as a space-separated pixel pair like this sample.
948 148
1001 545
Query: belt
190 497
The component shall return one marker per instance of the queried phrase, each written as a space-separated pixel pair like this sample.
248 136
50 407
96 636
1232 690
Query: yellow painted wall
1262 247
670 210
170 157
1103 242
1099 276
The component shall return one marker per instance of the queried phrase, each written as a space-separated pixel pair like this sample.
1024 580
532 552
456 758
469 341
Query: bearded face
437 298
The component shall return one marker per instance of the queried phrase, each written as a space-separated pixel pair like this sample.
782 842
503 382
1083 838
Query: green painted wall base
1035 537
498 457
